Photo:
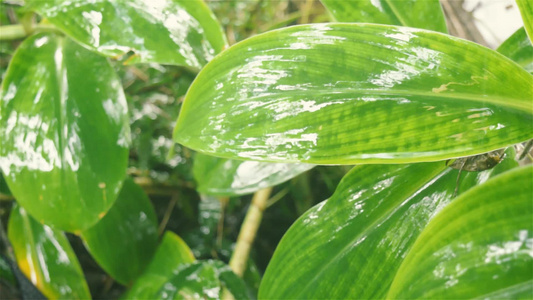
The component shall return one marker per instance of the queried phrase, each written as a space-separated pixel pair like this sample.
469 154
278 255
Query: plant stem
167 215
12 32
17 31
248 231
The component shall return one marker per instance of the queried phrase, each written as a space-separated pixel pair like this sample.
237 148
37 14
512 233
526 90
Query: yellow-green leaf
526 10
45 256
518 48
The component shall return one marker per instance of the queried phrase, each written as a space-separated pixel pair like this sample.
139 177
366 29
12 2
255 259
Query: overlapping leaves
380 215
225 177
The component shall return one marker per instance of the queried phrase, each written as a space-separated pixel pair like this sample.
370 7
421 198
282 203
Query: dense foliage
178 149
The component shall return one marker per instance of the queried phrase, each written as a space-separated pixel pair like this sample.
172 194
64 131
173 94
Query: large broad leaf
124 241
171 254
180 32
226 177
45 256
526 10
352 245
425 14
356 93
203 280
518 48
64 130
480 246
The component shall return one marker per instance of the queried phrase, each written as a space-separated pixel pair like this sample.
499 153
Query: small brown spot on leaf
101 185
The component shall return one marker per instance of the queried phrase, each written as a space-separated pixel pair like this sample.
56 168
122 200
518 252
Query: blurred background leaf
125 239
518 48
44 255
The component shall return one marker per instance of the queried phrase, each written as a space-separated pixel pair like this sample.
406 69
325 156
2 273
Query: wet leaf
356 93
179 32
125 239
518 48
352 245
484 253
226 177
45 256
426 14
171 254
64 130
526 10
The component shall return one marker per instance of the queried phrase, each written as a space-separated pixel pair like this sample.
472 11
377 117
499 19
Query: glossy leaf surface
180 32
356 93
526 10
125 239
518 48
64 130
351 246
203 280
486 252
226 177
45 256
426 14
171 254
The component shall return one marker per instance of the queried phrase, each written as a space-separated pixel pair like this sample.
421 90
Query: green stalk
12 32
18 31
248 231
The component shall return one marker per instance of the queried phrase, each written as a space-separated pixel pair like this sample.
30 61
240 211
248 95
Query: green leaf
226 177
478 246
425 14
356 93
518 48
179 32
352 245
64 130
6 274
203 280
125 239
4 189
44 255
171 254
526 10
